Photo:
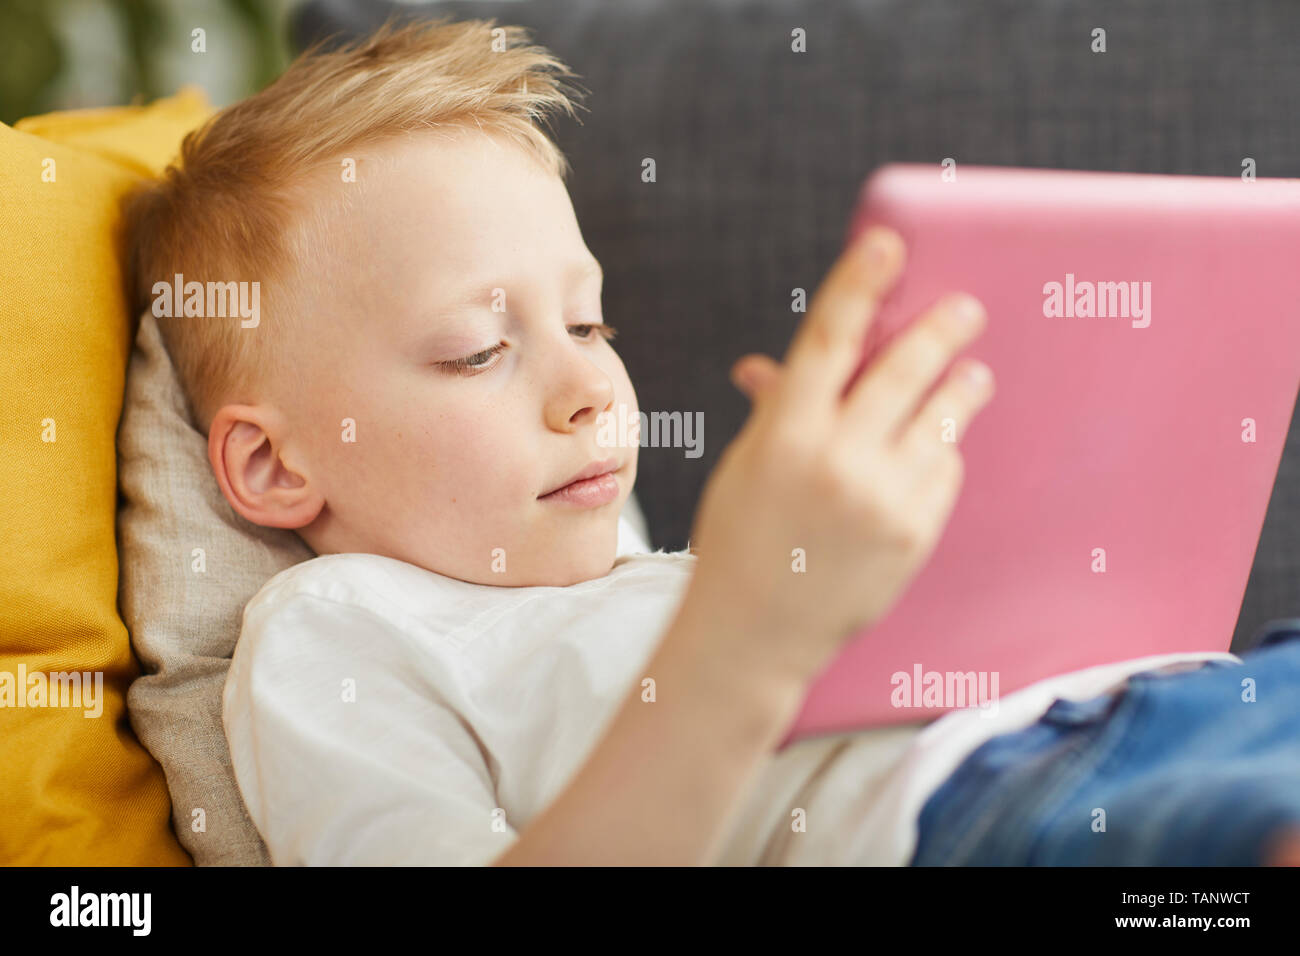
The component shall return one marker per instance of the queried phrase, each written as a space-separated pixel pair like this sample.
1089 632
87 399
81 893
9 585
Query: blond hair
227 209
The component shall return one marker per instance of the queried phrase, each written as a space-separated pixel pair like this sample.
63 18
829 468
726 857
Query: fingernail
877 246
977 374
968 309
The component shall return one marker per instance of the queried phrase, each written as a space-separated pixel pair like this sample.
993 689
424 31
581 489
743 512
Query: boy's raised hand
826 504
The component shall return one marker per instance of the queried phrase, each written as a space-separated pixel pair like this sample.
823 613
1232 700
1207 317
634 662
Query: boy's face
447 467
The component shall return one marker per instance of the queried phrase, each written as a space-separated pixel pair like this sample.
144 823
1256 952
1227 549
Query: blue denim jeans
1176 769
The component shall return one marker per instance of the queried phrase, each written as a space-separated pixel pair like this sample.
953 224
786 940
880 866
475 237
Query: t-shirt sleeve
345 751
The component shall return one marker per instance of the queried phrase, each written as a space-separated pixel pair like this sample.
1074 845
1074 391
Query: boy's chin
591 566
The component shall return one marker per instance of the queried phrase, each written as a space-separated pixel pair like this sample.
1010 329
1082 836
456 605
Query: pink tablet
1144 332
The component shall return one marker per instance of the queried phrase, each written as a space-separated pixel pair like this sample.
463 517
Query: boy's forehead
461 193
445 159
429 220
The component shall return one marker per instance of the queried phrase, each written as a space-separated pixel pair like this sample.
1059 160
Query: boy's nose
579 398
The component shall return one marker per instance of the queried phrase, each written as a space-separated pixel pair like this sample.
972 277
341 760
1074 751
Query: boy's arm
661 785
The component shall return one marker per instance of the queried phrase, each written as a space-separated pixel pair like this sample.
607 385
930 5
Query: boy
484 664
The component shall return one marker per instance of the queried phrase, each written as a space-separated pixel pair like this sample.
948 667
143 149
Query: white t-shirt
380 713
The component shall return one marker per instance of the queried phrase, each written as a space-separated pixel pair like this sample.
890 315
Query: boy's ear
244 449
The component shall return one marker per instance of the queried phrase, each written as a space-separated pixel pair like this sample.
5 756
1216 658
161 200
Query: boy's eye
473 364
606 331
481 361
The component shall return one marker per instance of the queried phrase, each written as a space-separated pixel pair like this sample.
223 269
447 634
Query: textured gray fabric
760 152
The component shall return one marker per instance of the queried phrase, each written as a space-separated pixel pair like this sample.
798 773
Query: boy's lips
593 486
594 470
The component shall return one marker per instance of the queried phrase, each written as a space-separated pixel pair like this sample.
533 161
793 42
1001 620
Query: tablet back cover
1145 342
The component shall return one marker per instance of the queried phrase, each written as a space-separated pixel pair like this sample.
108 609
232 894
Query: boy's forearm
662 785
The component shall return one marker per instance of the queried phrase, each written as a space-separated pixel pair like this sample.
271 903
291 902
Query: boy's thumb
755 374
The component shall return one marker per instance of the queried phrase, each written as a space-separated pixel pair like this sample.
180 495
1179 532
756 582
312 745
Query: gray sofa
760 151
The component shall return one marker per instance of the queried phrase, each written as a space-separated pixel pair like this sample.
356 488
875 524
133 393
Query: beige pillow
189 564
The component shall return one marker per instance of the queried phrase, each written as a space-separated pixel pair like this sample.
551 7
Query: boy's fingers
886 396
944 417
829 343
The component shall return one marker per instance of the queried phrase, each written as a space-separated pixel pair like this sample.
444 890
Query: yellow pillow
76 786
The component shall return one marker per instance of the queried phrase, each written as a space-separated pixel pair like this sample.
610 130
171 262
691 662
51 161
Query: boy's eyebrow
477 295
